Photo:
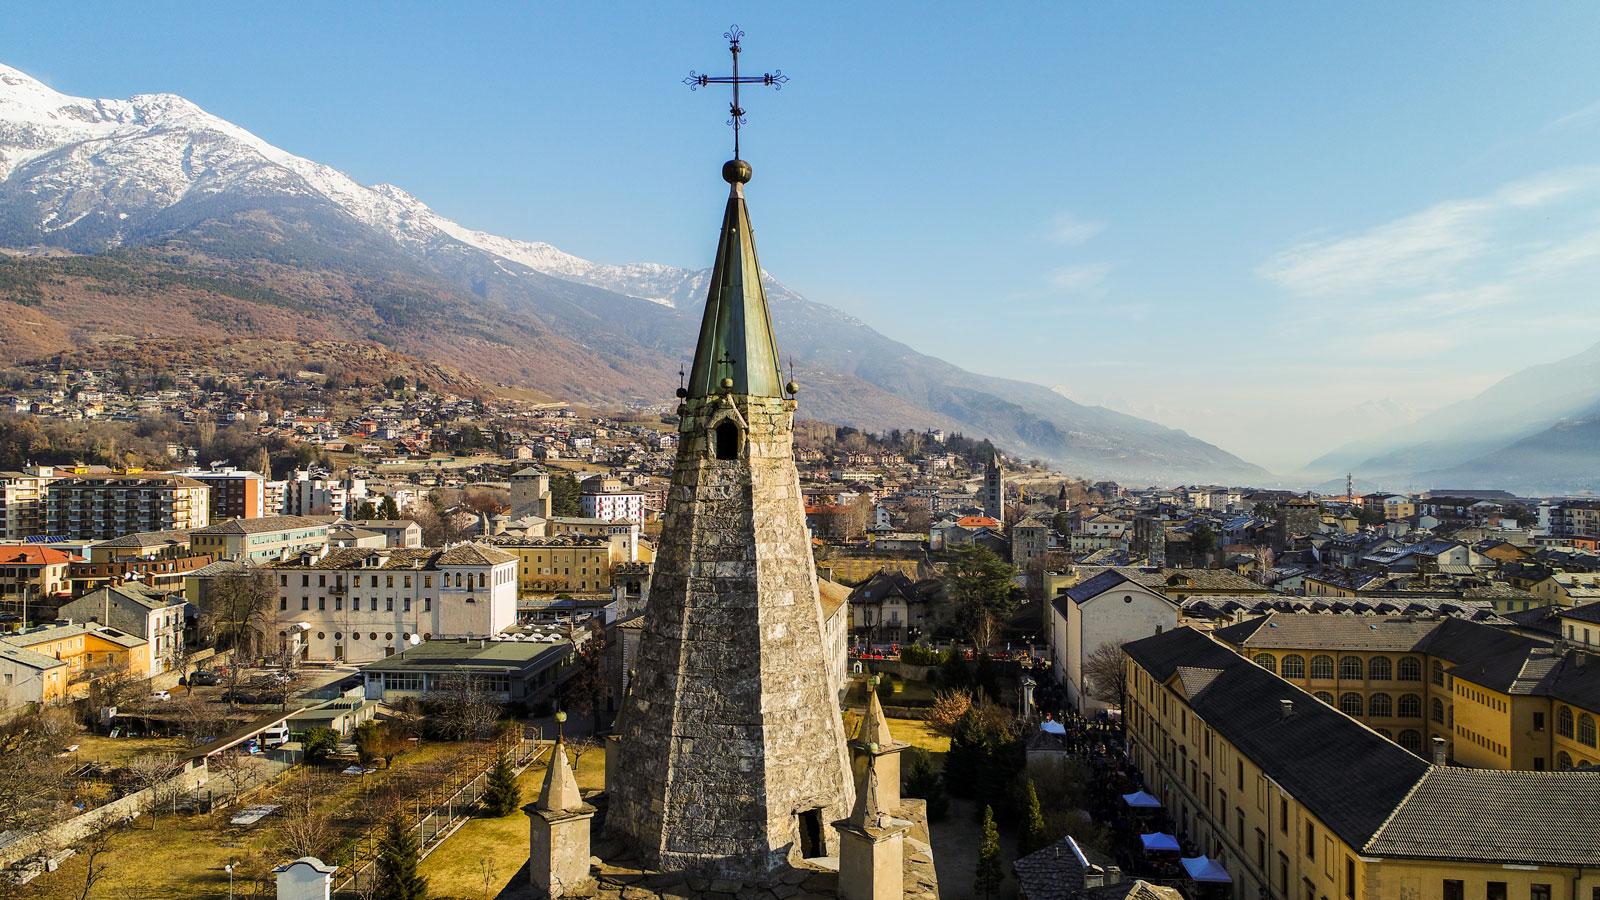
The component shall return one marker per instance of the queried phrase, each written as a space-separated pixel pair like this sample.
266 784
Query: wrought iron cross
776 79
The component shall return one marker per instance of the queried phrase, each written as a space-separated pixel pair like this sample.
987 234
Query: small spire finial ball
736 171
683 392
727 384
792 387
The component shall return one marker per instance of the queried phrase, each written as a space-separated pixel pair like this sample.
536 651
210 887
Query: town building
889 608
1107 610
401 533
235 493
34 572
530 493
22 502
573 562
156 559
1293 798
151 615
358 605
29 677
512 671
260 539
104 506
612 505
87 650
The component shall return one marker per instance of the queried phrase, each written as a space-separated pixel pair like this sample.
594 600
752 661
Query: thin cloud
1577 116
1067 228
1080 278
1422 250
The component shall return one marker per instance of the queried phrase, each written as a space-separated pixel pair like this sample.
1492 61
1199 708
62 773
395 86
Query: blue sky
1256 222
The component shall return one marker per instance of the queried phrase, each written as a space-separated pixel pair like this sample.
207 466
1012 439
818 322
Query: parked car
205 677
160 695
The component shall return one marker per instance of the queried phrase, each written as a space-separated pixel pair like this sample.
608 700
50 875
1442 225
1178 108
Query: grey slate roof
1527 818
1315 754
260 525
1054 873
1289 631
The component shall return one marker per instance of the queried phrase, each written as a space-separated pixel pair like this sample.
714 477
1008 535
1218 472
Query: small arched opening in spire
727 440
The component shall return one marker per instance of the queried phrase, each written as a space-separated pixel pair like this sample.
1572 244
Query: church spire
736 353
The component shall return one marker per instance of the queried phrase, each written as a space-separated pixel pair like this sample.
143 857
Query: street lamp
229 869
561 716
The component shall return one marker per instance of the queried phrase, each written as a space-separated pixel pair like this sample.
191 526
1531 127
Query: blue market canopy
1141 800
1053 727
1203 868
1159 842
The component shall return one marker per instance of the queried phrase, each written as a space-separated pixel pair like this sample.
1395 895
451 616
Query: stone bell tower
732 757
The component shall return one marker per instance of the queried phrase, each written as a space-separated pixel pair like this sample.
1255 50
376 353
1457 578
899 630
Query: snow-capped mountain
165 149
288 246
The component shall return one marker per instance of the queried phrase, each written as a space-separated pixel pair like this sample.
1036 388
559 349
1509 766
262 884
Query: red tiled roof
35 556
977 522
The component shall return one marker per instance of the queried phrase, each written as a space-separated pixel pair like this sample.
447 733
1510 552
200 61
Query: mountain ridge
158 172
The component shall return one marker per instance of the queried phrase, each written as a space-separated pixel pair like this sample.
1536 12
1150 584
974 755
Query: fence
436 815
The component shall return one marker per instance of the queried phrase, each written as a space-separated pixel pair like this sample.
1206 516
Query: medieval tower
732 755
992 494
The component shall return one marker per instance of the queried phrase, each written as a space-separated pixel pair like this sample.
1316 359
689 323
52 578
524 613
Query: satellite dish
416 639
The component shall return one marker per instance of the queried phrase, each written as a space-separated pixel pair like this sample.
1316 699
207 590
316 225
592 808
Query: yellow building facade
1296 799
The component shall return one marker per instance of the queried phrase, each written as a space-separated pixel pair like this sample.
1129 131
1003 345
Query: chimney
1285 709
1438 751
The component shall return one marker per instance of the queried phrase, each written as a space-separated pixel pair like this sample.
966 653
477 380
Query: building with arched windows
1487 697
1294 798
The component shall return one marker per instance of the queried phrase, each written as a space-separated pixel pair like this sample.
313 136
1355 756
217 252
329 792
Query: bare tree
92 850
238 609
154 773
1105 673
465 709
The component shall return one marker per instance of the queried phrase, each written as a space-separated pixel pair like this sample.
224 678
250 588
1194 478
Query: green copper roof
736 334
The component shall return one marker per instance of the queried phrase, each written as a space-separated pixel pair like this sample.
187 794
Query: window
1538 721
1564 721
1261 849
1438 678
1409 707
388 604
1349 877
408 581
1294 666
1324 696
374 581
1409 669
1437 712
408 605
1283 814
1283 871
1350 704
727 440
427 604
1350 668
1586 730
1380 706
1411 739
338 604
1322 667
1538 892
1563 760
1241 774
1267 661
322 603
305 580
427 581
305 602
1454 889
1311 841
283 603
1495 890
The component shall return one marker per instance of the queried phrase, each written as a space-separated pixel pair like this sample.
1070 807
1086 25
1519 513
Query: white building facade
363 604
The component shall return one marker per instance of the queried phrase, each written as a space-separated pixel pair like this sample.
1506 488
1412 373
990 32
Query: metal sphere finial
736 171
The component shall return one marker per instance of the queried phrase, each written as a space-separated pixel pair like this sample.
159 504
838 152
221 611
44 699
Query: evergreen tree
565 496
989 873
968 755
1031 836
923 782
953 671
502 796
365 510
397 864
985 677
388 509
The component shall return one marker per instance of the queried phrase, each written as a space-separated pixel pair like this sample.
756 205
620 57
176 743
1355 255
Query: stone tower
732 756
993 493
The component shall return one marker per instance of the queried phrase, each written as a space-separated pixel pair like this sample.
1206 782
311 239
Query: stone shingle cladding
732 743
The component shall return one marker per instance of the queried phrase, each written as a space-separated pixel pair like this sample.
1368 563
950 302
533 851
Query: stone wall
122 809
